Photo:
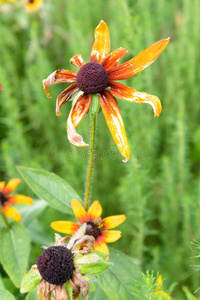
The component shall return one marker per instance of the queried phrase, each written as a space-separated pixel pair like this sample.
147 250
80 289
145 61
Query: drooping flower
33 5
96 227
98 77
159 286
6 199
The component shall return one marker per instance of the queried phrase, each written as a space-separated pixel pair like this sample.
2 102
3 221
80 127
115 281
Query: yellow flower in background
33 5
6 199
99 77
4 1
96 226
158 288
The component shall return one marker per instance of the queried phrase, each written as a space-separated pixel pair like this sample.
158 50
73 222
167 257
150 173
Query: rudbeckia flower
33 5
98 77
158 288
6 199
96 226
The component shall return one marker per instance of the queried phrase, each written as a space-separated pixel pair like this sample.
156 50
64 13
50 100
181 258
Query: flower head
98 77
33 5
6 199
95 226
158 288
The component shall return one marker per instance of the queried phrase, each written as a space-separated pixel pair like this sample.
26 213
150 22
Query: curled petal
124 92
20 199
79 211
111 235
139 62
58 76
11 186
66 227
65 96
77 61
11 212
115 124
101 246
2 185
76 115
113 58
113 221
95 211
101 47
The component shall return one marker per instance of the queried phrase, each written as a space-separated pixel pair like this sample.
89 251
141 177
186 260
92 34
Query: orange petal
77 61
11 185
79 211
113 221
77 113
113 58
11 212
65 96
124 92
2 185
101 47
65 226
139 62
101 246
58 76
115 124
20 199
95 211
111 235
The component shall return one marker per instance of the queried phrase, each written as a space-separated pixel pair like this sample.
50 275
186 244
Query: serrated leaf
14 251
5 295
95 268
50 187
30 281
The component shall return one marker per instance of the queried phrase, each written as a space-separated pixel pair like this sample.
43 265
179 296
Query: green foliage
6 295
30 281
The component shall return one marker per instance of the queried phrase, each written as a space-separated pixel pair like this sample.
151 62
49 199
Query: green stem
4 217
90 162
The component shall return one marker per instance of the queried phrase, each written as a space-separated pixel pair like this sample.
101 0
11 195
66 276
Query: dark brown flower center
56 265
93 230
92 78
2 199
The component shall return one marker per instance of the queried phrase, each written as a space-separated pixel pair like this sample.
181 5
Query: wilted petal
124 92
95 211
111 236
66 227
113 58
76 115
65 96
79 211
11 212
139 62
101 47
113 221
11 185
58 76
77 61
115 124
60 292
20 199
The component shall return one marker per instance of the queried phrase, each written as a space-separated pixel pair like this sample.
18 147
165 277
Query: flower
158 287
33 5
5 200
94 224
97 77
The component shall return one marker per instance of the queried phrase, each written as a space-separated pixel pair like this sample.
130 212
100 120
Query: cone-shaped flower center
92 230
56 265
92 78
2 199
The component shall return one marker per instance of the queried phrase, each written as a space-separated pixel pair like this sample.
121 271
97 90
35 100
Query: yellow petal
77 61
101 246
101 47
124 92
11 212
2 185
11 185
115 123
65 226
111 236
95 211
113 221
113 58
33 6
79 211
17 199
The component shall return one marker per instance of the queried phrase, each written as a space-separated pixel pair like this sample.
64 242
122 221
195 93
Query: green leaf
95 268
14 251
5 295
32 295
92 257
189 295
50 187
33 212
30 281
123 280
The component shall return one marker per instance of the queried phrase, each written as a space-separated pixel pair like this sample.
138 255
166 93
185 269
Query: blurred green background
159 188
